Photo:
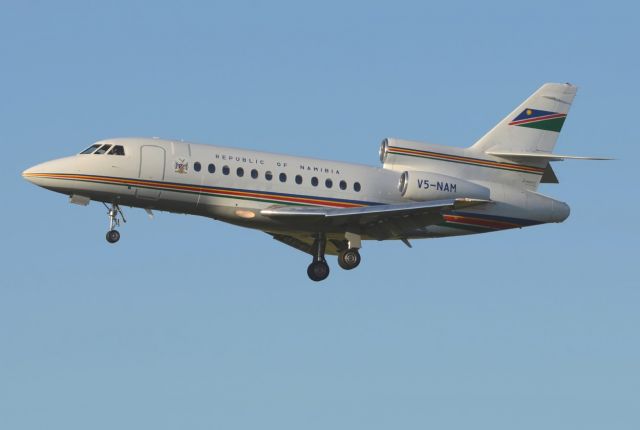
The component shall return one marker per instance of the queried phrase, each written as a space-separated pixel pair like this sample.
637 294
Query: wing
377 222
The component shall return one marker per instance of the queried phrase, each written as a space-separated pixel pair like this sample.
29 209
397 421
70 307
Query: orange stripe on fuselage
206 190
476 161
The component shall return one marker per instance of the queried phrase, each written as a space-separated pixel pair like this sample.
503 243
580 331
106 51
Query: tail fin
526 137
534 125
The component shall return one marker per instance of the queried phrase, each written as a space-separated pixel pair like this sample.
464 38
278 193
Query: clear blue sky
190 323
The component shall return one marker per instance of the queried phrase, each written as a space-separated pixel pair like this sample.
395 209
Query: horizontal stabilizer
541 156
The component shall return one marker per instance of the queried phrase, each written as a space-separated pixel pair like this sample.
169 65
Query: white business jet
328 207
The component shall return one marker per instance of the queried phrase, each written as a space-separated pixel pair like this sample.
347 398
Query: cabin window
90 149
197 166
283 177
254 173
356 187
212 168
343 185
117 150
240 172
298 179
328 183
102 150
268 175
225 170
314 181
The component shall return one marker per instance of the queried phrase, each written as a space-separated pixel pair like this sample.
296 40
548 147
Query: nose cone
561 211
32 174
42 174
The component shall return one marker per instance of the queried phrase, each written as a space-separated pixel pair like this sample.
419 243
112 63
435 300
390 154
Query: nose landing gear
115 212
113 236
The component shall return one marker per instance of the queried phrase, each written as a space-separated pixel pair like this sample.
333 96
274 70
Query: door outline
153 160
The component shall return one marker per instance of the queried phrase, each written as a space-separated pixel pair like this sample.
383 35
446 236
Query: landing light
245 214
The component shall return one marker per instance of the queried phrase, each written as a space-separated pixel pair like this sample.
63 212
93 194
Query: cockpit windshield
90 149
104 149
117 150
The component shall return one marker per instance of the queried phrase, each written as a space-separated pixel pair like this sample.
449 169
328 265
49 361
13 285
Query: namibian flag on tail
531 128
540 119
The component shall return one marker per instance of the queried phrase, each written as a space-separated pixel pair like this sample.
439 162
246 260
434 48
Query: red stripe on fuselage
205 190
468 160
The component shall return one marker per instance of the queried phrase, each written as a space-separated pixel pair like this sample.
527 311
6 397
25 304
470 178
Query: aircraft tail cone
561 211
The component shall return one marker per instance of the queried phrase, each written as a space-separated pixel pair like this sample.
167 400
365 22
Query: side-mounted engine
421 186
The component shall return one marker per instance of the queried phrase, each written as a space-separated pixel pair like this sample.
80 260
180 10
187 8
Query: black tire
349 259
318 271
113 236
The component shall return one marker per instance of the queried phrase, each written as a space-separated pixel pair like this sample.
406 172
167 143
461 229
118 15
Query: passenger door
152 163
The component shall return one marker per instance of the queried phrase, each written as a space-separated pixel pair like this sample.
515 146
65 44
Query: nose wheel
114 213
113 236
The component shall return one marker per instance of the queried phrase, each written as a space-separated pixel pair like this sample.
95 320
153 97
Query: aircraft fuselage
324 207
234 185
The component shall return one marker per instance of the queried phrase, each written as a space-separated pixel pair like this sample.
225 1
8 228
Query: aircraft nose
31 174
38 174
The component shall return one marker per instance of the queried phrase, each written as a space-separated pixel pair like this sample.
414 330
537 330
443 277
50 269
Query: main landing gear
115 212
318 270
348 258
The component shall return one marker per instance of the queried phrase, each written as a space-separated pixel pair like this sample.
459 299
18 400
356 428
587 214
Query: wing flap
294 242
304 243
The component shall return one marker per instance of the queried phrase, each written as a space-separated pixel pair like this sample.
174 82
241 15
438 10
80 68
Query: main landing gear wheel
113 236
318 271
349 258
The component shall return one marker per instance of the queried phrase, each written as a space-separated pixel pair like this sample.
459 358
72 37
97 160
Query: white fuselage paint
160 174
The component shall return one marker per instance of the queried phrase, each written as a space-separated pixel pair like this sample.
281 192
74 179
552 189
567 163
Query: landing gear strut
115 212
318 270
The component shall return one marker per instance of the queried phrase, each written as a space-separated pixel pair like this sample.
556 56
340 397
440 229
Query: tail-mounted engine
421 186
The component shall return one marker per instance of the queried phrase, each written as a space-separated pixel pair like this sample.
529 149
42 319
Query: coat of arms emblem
181 166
